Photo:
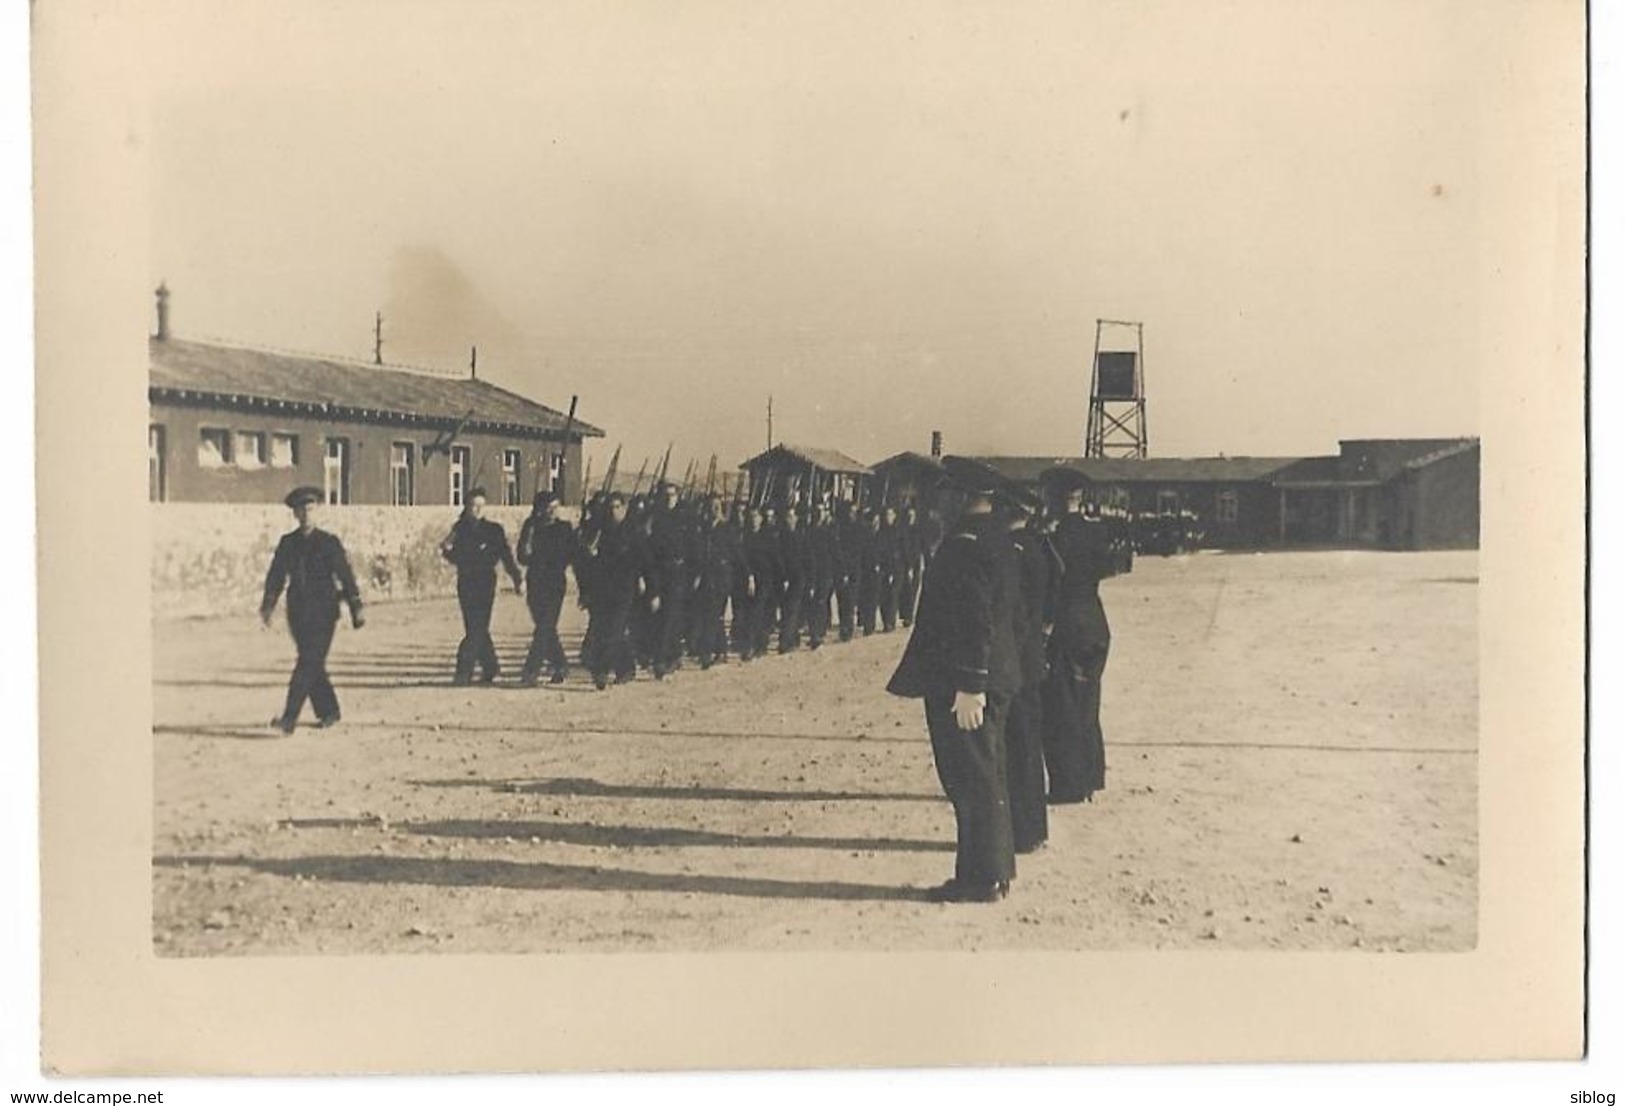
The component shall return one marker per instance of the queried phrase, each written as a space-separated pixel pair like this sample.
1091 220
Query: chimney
936 443
163 312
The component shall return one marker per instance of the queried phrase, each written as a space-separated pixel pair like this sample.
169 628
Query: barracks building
229 424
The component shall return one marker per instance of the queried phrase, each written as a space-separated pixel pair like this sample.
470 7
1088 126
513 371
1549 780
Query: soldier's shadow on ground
654 837
589 788
540 876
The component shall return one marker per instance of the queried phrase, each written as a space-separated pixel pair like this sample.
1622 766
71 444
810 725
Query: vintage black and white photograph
770 500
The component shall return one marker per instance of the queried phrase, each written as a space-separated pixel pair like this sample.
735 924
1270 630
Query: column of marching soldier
1008 653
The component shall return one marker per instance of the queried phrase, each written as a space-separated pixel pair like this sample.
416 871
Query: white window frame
400 470
292 440
222 455
252 457
336 470
460 457
1167 496
511 464
157 467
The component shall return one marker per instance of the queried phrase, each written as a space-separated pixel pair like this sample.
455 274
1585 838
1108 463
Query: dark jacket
477 545
1038 571
316 573
545 548
795 555
614 563
964 635
1084 548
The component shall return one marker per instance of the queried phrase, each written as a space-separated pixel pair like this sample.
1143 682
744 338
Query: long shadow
641 837
538 876
715 735
585 788
235 733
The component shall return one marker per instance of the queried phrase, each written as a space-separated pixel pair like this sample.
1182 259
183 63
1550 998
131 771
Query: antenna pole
378 338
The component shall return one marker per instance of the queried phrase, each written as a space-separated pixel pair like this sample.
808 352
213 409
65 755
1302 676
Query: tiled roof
189 371
1159 470
829 460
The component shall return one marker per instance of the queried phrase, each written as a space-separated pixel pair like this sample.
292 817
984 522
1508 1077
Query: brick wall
210 559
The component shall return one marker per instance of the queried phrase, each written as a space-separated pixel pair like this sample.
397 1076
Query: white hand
968 709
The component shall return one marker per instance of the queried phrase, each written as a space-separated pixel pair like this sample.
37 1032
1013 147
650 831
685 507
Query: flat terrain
1291 747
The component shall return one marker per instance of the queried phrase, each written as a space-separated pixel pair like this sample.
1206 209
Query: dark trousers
742 621
1074 748
889 585
817 614
763 609
791 608
846 605
668 626
909 594
868 600
476 595
709 640
608 645
971 766
545 599
1024 769
312 638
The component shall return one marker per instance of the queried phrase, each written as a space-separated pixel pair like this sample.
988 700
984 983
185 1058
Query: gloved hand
968 709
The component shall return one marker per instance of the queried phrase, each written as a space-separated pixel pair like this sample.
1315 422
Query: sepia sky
892 218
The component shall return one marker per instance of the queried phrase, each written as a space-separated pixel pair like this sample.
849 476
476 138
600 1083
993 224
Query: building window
284 451
155 464
213 448
336 471
1167 502
1227 508
459 474
555 472
248 449
400 474
510 477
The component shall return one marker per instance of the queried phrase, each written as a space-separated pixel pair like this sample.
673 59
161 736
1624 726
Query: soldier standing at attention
963 661
312 565
889 545
475 545
912 548
716 546
1038 572
1074 748
547 544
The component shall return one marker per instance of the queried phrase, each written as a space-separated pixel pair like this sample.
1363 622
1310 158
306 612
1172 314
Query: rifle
711 476
637 484
586 482
609 477
569 425
664 462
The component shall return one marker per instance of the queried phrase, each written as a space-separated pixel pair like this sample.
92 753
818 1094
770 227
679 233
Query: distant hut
802 474
907 477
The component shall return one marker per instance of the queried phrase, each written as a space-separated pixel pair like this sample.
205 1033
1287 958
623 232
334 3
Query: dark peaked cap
302 495
1063 479
973 477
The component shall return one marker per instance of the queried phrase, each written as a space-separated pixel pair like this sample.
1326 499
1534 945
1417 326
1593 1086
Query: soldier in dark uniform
669 539
1038 572
962 659
547 544
716 552
615 562
312 565
911 546
1074 748
849 540
889 556
795 562
870 571
476 545
765 578
822 555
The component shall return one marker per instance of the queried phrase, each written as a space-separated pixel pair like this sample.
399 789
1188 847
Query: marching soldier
849 542
669 539
716 546
475 545
911 546
870 571
547 544
756 583
963 661
616 572
312 565
889 555
795 561
822 555
1074 749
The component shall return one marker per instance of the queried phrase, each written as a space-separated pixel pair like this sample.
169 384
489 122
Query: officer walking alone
311 564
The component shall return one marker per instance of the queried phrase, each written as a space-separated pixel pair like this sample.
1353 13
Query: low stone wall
210 559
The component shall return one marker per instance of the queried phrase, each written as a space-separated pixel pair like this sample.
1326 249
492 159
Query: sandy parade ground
1291 749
